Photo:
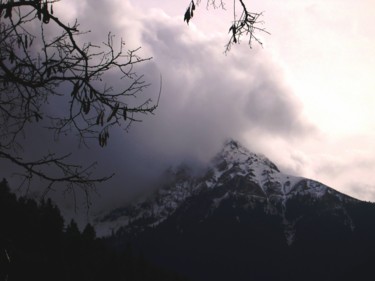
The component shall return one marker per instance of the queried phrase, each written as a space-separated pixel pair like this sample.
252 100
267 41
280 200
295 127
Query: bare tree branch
39 65
247 25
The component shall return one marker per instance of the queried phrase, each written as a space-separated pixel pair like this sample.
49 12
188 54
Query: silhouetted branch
247 25
41 62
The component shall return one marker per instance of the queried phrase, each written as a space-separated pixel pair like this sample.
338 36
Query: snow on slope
236 160
233 161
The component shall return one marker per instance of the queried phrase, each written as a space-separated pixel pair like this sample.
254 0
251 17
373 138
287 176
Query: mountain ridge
263 181
243 219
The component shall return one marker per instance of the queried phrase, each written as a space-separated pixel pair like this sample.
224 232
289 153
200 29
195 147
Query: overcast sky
305 99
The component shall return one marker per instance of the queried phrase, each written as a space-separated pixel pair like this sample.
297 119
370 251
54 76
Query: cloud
362 191
207 97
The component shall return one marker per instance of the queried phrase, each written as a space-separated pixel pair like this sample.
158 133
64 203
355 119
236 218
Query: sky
305 99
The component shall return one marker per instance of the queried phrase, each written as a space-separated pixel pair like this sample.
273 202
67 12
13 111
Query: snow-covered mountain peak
234 153
234 172
234 159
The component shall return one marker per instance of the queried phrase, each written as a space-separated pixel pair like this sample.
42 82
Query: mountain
243 219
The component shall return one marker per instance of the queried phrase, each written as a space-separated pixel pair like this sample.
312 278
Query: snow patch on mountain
266 184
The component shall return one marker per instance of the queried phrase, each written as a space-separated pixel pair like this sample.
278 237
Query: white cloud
249 94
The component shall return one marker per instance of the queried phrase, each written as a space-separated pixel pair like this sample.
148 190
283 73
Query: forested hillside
35 244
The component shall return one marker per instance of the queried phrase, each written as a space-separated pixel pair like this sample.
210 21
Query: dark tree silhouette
43 62
244 25
35 245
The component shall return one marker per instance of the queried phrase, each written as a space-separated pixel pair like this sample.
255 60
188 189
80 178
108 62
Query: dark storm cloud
207 97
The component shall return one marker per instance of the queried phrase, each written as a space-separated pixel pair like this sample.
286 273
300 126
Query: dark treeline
35 244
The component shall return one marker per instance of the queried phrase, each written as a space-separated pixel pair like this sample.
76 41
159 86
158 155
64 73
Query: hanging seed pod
87 109
75 89
46 16
125 113
115 109
39 10
187 15
8 12
102 119
103 137
100 140
37 116
11 56
98 118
